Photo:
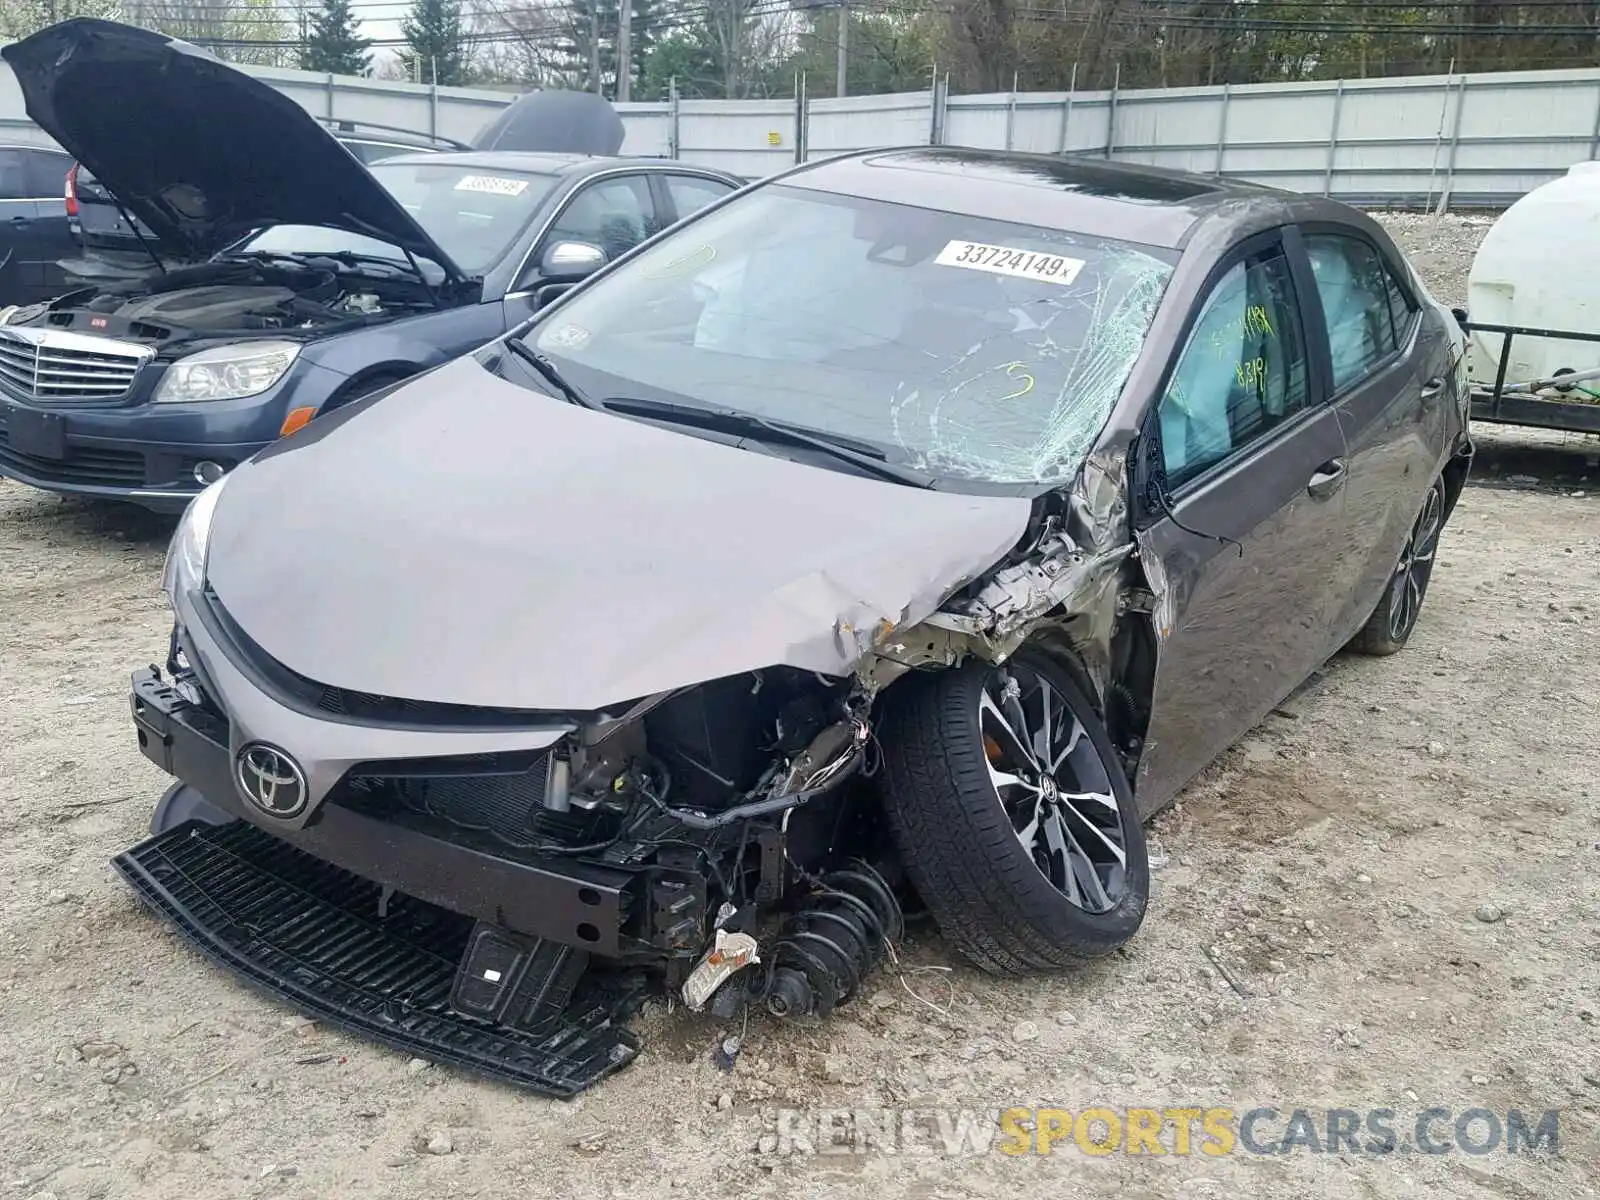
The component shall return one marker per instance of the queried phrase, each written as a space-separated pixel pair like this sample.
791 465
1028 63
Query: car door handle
1327 479
19 220
1433 387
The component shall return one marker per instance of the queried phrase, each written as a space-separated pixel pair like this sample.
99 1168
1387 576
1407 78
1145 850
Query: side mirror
568 261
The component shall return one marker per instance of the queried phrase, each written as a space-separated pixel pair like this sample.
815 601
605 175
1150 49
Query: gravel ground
1383 898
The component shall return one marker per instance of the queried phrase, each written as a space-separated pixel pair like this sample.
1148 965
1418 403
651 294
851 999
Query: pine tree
332 43
436 49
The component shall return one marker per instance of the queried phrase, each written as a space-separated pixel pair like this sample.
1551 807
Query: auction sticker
1007 260
495 185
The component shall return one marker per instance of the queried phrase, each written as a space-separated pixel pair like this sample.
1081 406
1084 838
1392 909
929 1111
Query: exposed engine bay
234 298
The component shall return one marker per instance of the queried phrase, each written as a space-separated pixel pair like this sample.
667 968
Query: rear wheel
1390 625
1013 817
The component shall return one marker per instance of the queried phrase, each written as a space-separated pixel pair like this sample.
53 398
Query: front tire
1390 625
1012 814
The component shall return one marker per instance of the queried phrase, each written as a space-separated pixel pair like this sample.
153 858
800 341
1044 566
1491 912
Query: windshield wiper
762 429
548 371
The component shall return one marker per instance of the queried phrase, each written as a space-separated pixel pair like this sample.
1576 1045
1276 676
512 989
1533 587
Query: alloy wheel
1416 564
1050 779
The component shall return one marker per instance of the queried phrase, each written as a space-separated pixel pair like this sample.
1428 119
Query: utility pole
842 67
594 46
624 49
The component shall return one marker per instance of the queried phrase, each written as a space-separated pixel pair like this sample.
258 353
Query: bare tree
258 32
19 18
521 41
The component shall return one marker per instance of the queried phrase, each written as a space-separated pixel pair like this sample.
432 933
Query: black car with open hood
288 278
200 152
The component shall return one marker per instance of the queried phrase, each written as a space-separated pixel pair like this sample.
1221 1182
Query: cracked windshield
970 348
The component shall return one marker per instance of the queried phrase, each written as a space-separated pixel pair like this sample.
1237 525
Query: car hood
464 540
200 152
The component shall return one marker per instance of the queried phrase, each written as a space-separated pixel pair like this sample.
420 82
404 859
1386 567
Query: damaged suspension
842 930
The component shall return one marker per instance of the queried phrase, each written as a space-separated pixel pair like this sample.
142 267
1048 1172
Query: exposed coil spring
825 949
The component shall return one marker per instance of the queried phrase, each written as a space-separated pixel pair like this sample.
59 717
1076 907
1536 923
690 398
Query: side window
1400 310
614 214
690 194
1354 287
1242 371
371 152
14 175
46 173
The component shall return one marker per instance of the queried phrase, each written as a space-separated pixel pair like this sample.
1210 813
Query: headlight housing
227 372
185 568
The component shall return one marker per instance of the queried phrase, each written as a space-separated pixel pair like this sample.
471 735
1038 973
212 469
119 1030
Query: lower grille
82 465
310 933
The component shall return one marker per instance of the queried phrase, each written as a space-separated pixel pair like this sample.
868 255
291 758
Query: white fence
1474 139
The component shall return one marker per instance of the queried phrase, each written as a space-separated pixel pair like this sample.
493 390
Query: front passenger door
1254 473
49 236
615 213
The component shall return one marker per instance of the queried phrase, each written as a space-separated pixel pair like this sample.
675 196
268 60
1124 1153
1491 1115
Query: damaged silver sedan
905 529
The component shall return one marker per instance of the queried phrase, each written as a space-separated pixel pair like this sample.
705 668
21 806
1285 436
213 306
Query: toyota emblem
270 780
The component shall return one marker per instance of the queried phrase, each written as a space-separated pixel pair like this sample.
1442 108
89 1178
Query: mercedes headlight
227 372
185 568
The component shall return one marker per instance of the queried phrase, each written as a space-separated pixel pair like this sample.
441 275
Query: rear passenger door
1253 465
1389 390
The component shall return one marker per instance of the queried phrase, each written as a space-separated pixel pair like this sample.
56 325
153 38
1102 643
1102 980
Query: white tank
1539 267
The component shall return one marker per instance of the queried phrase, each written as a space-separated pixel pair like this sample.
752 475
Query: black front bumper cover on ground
307 933
363 923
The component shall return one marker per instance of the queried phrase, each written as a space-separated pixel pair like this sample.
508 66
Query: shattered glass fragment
993 415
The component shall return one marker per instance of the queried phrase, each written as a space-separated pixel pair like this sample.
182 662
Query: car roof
1150 205
546 163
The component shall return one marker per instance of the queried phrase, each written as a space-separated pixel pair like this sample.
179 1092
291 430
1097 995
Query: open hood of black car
200 152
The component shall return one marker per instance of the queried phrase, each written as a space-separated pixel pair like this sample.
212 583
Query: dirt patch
1385 900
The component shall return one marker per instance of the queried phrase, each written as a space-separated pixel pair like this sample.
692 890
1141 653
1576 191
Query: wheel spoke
1428 524
1073 738
1016 719
1005 779
1056 838
1087 877
1028 835
1100 834
1104 799
1043 736
1397 601
1009 738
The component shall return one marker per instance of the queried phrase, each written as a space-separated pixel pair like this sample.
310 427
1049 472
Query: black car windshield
474 213
965 347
